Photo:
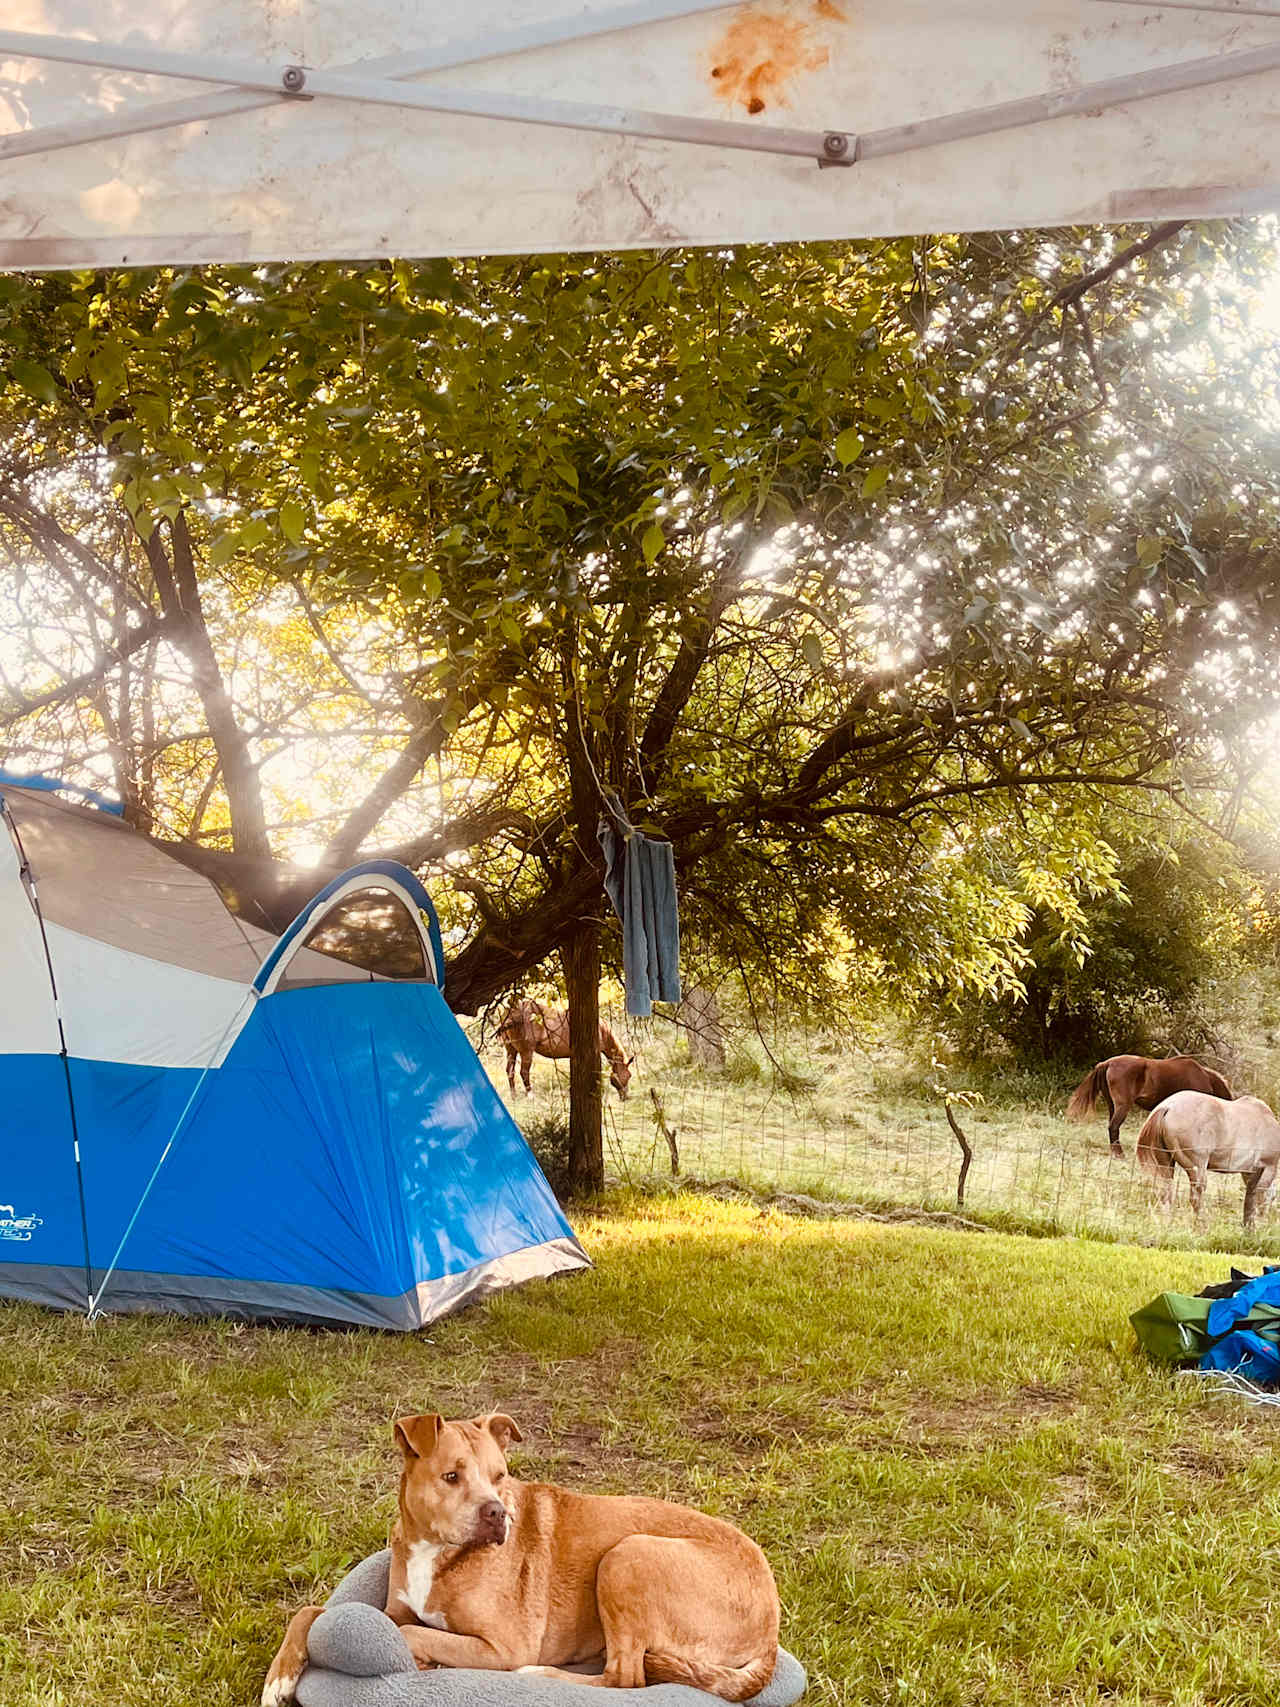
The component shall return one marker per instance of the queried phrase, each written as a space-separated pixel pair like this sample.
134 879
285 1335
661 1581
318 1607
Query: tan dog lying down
493 1573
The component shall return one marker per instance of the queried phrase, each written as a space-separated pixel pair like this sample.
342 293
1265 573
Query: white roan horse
1203 1134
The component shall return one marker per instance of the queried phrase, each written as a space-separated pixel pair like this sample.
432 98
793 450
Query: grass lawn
970 1484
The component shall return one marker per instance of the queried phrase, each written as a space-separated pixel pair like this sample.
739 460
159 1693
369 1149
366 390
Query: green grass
971 1485
836 1120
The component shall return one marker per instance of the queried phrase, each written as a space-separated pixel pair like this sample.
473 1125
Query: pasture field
972 1486
818 1115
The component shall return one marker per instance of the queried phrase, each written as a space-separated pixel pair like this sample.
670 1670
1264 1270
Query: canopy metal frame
246 85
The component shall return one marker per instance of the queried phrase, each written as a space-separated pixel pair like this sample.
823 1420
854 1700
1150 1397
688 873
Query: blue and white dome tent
203 1118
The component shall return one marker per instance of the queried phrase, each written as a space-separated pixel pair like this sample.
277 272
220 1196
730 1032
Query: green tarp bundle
1176 1329
1173 1328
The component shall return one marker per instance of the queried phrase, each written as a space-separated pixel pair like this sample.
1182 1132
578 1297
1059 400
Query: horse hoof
1117 1150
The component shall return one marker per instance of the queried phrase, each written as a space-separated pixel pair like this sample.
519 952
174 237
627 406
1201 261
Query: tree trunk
179 589
700 1015
580 957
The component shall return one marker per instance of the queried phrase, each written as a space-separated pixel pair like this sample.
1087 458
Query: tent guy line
833 146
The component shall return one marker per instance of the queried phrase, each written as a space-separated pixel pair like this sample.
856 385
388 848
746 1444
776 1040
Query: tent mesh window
372 930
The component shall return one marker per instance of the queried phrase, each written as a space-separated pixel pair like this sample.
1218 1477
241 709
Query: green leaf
653 542
811 646
224 549
848 447
292 521
37 380
1150 550
874 481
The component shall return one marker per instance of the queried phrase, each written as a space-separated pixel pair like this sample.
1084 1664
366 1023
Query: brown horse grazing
1197 1133
1136 1081
528 1029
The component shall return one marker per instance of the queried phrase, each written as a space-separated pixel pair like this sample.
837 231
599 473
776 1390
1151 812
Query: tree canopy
832 563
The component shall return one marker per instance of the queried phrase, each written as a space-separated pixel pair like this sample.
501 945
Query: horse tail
1087 1093
1153 1152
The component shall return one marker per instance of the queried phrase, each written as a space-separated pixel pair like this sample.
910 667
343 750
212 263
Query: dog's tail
1153 1152
1087 1093
730 1683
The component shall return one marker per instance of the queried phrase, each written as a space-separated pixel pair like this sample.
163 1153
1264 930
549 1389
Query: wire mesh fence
818 1116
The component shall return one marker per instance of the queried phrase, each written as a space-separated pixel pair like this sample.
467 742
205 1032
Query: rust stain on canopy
763 50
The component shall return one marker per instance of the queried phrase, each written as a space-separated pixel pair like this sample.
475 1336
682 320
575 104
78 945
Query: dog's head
452 1482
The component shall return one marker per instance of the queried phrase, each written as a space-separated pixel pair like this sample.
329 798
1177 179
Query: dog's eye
451 1475
501 1476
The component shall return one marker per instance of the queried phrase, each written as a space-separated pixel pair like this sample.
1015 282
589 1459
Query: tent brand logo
17 1227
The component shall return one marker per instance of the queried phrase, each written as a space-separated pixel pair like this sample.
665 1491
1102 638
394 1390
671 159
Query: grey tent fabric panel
437 1298
58 1287
358 1660
102 879
131 1292
98 877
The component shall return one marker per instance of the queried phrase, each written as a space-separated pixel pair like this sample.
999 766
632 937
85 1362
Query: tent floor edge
132 1292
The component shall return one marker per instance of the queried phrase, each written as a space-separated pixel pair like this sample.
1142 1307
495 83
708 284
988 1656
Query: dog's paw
279 1688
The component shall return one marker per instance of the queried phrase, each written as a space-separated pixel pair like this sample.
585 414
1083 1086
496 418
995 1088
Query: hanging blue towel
640 880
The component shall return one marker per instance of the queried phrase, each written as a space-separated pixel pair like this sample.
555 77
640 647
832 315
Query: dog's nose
493 1515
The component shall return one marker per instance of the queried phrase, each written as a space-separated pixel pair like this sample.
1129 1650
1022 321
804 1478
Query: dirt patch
1201 1463
994 1413
1068 1493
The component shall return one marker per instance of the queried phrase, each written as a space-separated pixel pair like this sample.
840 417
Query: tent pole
29 884
501 44
301 83
1087 98
1228 6
830 147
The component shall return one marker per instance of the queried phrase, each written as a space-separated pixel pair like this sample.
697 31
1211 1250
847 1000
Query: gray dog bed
359 1659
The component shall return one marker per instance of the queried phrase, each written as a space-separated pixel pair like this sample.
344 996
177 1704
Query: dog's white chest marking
419 1574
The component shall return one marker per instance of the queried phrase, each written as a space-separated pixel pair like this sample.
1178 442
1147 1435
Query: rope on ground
1234 1385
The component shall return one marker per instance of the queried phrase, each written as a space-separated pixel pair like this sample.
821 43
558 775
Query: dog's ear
416 1436
502 1428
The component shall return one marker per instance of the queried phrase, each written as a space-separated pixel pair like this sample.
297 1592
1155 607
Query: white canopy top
138 132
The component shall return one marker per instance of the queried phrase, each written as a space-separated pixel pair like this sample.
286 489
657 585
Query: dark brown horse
1136 1081
528 1029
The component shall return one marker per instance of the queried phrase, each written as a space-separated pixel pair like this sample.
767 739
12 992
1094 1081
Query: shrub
547 1135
